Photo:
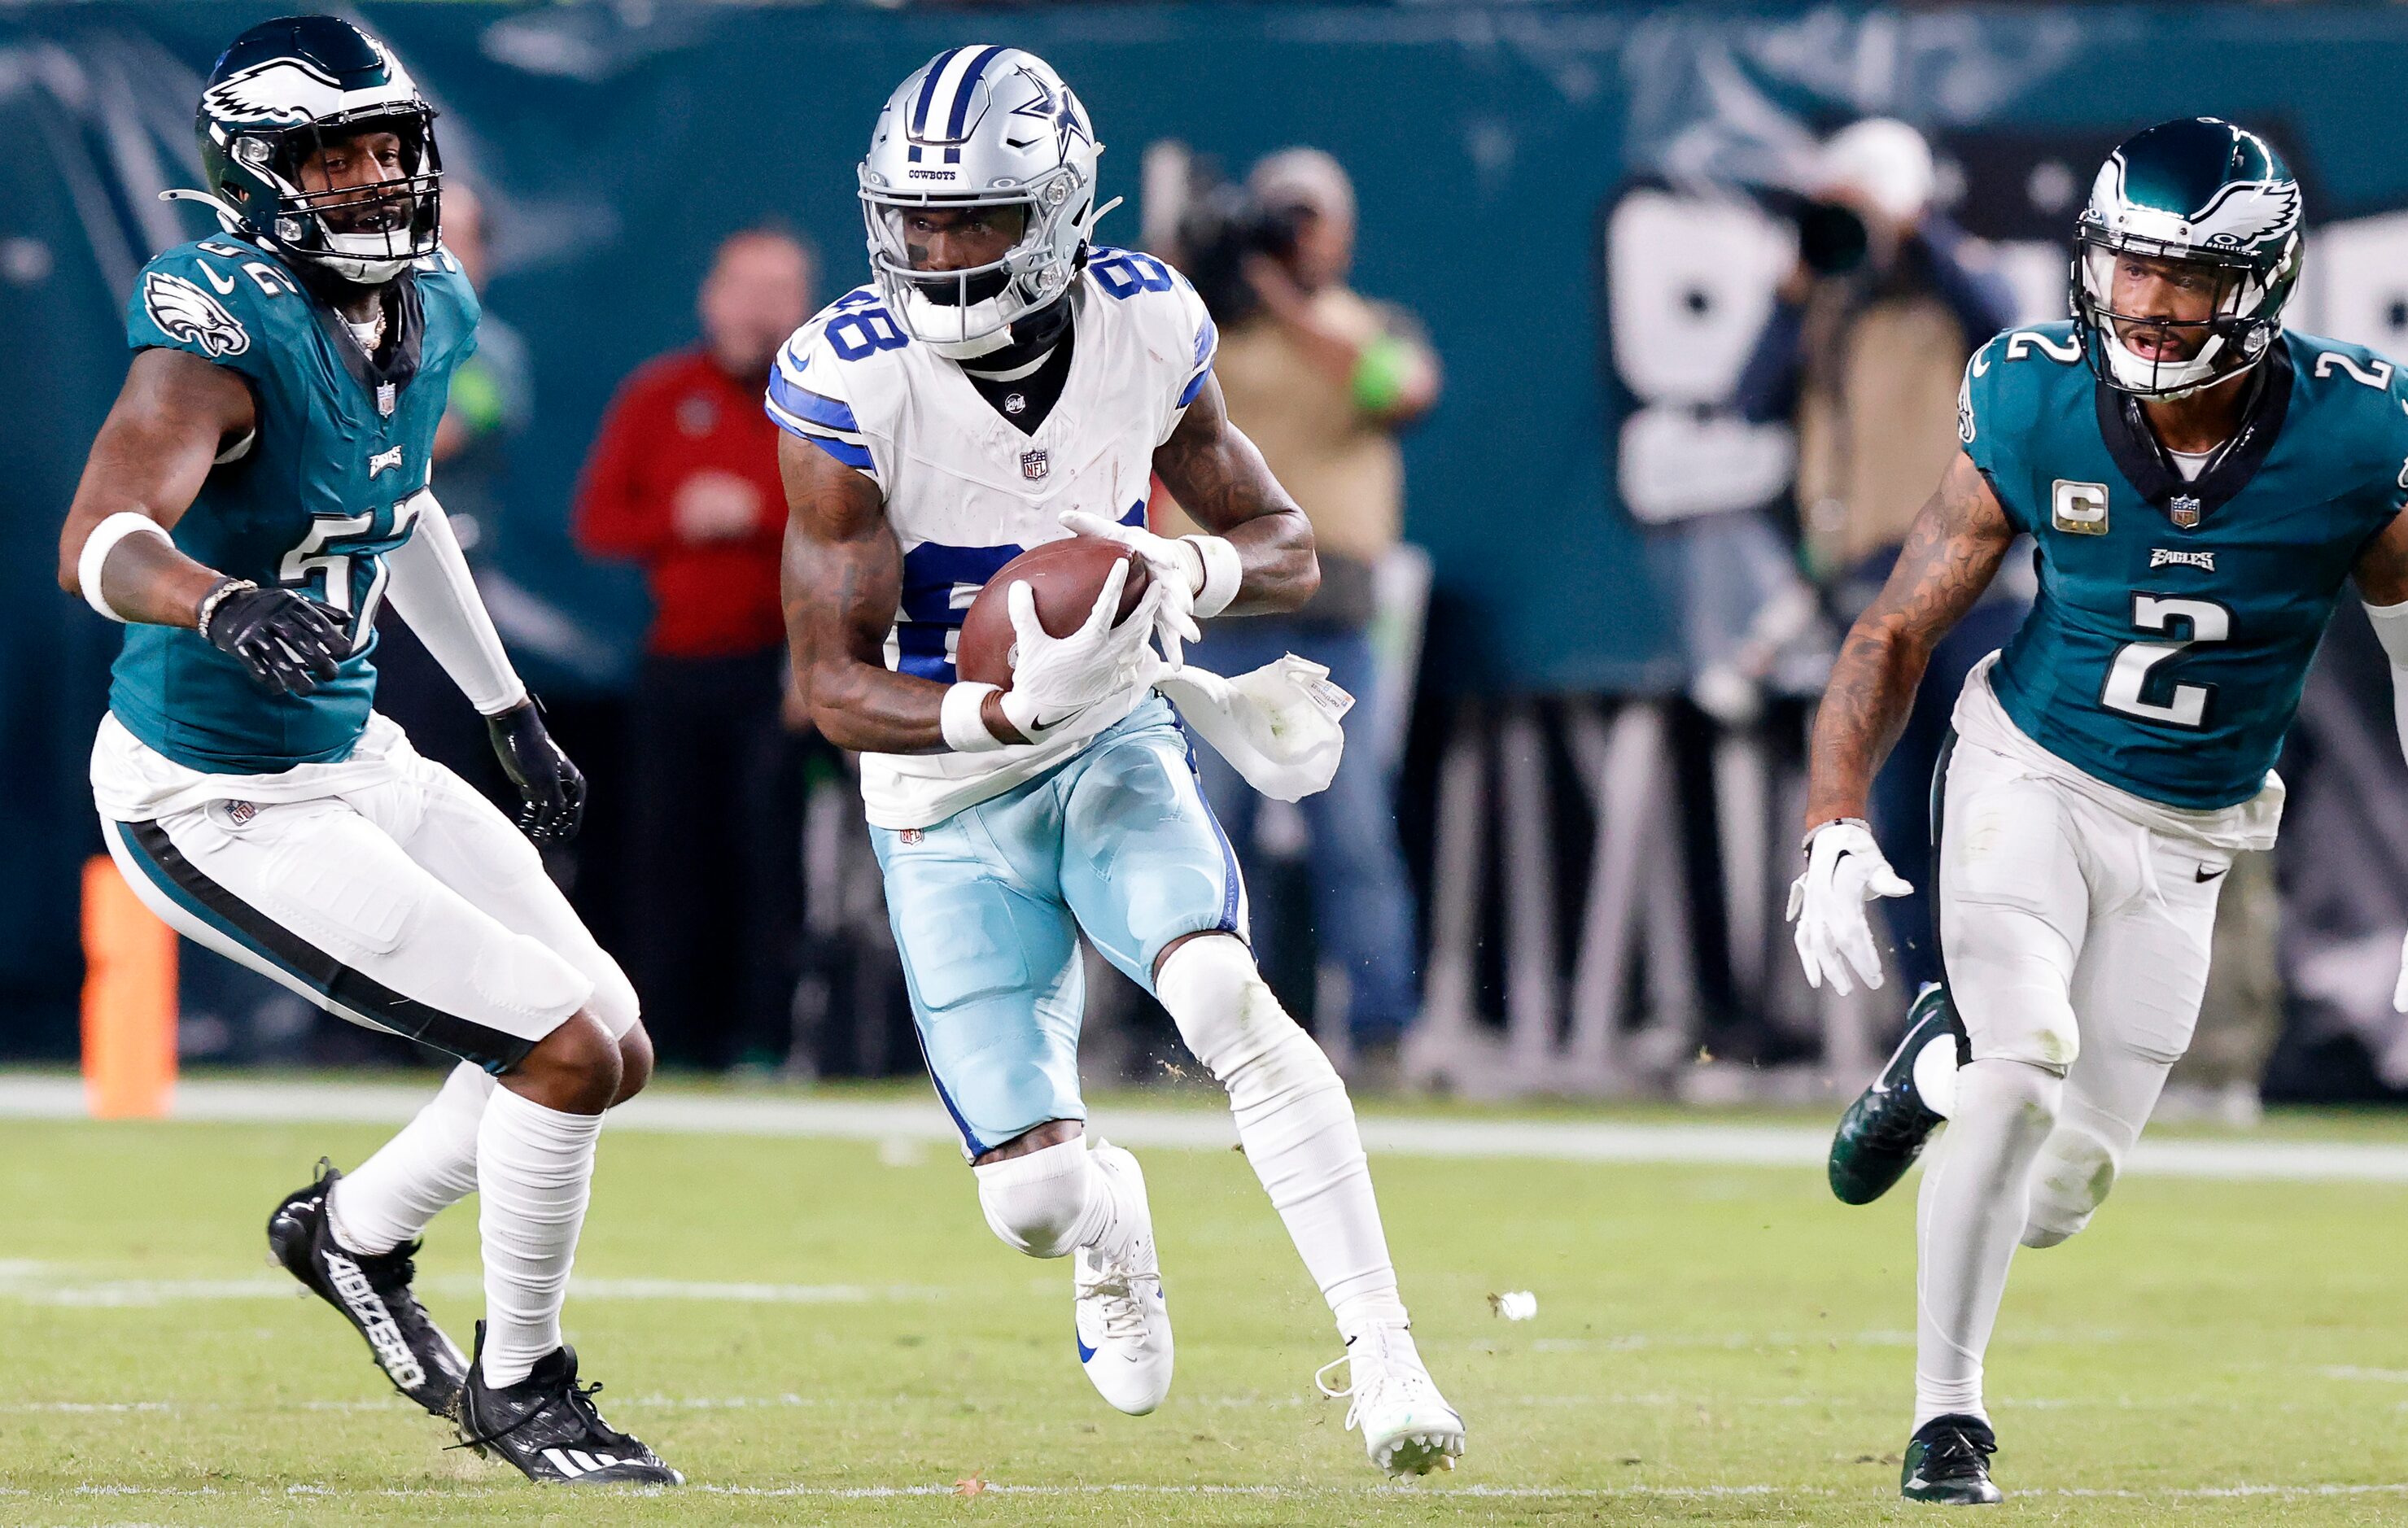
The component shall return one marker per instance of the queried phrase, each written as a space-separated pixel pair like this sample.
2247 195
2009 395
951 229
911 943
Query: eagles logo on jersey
185 311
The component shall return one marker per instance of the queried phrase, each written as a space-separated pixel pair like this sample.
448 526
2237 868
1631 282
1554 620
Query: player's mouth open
2153 343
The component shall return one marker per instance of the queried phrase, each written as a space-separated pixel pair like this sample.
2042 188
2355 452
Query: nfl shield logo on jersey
1034 466
2183 507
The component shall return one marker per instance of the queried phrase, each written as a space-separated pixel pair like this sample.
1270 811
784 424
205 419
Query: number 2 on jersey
2128 677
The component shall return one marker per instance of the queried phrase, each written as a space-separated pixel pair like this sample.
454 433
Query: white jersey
967 491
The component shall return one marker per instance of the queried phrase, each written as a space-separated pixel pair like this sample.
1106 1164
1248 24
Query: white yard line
886 1120
50 1284
1272 1492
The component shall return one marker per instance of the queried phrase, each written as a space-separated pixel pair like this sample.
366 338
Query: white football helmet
981 126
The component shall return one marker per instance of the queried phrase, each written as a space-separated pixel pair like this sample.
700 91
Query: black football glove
552 787
291 643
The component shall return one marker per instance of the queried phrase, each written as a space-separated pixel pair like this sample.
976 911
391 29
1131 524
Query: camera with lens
1222 227
1832 239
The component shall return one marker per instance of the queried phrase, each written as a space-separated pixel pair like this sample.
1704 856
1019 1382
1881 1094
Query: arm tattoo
1950 554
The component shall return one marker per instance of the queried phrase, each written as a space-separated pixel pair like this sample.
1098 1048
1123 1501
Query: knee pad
1035 1202
1234 1023
614 1000
519 975
2075 1172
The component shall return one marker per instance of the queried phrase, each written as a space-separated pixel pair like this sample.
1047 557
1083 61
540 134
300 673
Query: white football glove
1175 567
1844 870
2400 992
1053 679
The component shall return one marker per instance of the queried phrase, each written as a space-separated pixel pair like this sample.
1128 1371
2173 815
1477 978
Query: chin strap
227 217
232 221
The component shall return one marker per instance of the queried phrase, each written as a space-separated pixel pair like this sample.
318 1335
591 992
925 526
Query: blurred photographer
1864 352
1868 341
1321 379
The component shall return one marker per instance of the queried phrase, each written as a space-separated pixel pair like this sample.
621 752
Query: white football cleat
1121 1320
1407 1427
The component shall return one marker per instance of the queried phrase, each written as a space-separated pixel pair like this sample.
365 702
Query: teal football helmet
2216 203
290 88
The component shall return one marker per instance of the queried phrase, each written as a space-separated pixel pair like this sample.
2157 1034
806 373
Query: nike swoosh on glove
1053 679
1844 870
291 643
1174 566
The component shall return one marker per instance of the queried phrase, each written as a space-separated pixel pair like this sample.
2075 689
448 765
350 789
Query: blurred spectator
683 481
1322 379
1865 350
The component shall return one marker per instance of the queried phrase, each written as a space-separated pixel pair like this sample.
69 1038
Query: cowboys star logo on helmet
2209 204
286 93
981 127
188 312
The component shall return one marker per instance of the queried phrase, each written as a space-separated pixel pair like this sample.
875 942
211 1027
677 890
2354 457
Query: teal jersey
323 490
2176 619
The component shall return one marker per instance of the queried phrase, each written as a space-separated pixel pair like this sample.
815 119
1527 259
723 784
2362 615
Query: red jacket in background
676 417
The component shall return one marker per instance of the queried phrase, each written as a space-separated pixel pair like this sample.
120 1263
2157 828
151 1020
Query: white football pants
2076 943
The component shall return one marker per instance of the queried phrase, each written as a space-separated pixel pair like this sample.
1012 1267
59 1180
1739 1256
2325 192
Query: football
1065 577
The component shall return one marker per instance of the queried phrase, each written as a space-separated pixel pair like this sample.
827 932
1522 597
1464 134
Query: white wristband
103 540
2391 629
965 729
1224 570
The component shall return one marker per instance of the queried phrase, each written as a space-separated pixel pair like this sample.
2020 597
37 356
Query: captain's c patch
2078 509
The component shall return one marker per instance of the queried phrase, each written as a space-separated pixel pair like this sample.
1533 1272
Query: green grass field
824 1332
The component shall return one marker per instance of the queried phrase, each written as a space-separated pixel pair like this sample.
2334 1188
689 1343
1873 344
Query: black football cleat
1885 1130
372 1292
1948 1462
547 1426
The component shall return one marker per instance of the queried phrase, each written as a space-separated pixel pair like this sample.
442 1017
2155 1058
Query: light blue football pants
987 907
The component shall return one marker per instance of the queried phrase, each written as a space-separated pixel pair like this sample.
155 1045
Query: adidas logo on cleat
361 1298
573 1462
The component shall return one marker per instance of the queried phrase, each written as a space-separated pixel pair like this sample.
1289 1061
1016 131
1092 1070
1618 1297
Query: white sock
426 1168
1294 1120
1976 1195
1052 1200
535 1168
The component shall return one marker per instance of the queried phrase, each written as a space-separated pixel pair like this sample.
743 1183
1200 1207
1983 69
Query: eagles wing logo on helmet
2250 214
286 91
2241 215
188 313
